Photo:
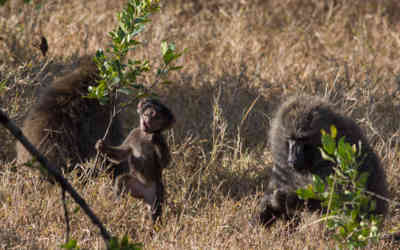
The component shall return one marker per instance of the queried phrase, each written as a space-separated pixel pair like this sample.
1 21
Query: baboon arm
163 156
117 154
162 152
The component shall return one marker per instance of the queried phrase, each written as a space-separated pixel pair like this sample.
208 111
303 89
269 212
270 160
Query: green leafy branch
349 209
118 76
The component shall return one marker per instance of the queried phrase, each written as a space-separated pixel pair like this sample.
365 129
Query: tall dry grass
244 58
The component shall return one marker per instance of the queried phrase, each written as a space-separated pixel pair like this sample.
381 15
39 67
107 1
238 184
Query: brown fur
300 120
143 155
65 126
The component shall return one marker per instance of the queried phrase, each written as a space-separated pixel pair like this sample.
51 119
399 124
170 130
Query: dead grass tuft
244 57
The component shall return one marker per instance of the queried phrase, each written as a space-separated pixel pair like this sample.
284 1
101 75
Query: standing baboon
63 124
143 155
295 138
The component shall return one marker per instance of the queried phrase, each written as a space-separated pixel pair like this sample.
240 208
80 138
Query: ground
243 59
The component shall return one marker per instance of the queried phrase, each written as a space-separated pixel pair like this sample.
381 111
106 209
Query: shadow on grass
206 176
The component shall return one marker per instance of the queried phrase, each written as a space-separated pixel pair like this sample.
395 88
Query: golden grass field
240 53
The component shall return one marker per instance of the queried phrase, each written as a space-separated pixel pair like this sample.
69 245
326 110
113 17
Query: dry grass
239 52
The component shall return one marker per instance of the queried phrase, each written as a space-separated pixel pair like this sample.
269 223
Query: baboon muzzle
296 155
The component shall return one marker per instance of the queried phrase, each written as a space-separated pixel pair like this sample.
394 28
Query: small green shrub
348 214
120 77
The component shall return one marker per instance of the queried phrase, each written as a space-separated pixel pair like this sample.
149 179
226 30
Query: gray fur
301 118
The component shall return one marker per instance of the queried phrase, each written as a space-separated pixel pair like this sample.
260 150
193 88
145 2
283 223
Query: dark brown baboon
295 137
143 155
65 126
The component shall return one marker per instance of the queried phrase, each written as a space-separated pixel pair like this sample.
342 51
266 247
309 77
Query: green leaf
168 57
76 210
372 206
333 131
72 244
125 91
325 195
354 147
342 231
306 193
362 180
328 144
354 214
319 185
164 47
325 156
175 68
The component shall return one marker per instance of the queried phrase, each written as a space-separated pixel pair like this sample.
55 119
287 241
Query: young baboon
295 138
65 126
143 155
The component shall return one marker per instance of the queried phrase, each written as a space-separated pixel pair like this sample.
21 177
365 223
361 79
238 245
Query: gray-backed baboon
295 137
65 126
143 155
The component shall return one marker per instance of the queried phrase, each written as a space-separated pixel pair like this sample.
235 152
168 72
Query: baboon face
154 116
303 152
304 138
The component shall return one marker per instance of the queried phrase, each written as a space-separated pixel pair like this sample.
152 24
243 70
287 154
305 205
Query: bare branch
57 176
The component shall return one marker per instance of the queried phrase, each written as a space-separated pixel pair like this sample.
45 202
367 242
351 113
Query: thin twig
323 219
112 116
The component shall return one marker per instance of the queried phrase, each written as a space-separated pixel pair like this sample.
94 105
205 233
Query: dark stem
65 185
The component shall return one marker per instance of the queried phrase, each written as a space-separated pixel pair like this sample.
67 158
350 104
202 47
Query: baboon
64 125
143 155
295 138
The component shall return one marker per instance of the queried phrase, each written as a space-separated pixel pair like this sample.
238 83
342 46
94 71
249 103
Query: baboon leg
156 209
279 203
152 193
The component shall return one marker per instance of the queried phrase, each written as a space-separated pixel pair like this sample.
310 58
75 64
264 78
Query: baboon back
63 124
